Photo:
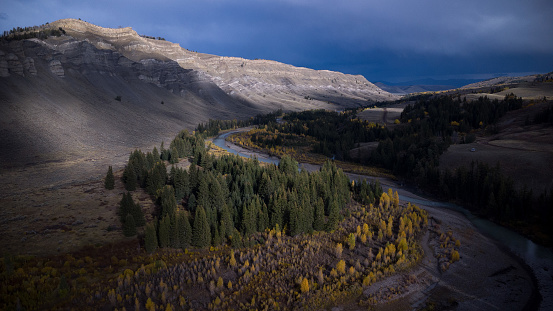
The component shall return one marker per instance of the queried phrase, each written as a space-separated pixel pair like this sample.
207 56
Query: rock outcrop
56 68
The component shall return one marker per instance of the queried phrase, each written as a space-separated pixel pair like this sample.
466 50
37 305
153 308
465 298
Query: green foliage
109 182
129 177
164 231
128 206
129 227
201 234
168 201
319 218
150 238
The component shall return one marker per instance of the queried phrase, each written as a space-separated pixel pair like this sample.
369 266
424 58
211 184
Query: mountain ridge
58 95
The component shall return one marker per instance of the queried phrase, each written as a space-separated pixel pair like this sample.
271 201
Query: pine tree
333 217
109 182
164 232
173 232
129 177
174 155
150 239
187 232
181 231
319 220
129 227
138 214
201 233
156 155
192 203
168 201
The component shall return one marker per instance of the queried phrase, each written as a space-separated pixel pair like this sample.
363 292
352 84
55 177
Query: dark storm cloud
382 40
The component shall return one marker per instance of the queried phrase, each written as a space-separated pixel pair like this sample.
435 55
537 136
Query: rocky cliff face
57 95
260 81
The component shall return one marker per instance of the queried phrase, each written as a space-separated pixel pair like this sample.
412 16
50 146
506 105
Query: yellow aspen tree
341 266
304 285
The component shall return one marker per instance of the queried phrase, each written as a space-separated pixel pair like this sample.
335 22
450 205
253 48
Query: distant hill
423 85
73 92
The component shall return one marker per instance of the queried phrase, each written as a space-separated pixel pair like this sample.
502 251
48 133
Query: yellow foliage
455 256
351 241
341 266
150 306
304 285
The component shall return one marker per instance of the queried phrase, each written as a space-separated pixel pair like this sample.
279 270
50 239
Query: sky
390 40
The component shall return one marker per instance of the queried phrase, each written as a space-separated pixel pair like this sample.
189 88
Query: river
537 257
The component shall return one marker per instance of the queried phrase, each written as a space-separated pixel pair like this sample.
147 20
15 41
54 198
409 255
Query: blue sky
391 40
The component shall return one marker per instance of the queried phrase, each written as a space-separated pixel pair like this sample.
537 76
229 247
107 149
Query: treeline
212 127
544 116
336 132
428 128
31 32
222 200
486 191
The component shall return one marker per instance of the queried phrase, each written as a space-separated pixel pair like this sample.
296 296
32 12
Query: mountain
73 92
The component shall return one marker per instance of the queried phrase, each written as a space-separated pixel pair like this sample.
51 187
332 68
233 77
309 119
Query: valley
253 184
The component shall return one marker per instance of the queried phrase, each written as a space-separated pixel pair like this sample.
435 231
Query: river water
537 257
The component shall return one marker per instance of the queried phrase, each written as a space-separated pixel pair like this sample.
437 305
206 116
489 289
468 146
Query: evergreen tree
227 226
201 233
187 232
150 239
156 155
333 217
319 219
129 227
192 203
129 177
174 155
173 231
138 214
109 182
164 232
125 206
168 201
184 230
